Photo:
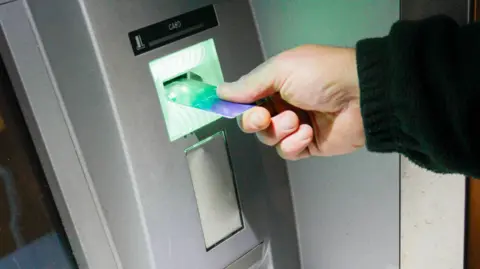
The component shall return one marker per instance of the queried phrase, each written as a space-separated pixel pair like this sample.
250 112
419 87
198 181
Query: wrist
351 73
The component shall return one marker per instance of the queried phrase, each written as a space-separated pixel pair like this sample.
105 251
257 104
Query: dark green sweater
420 93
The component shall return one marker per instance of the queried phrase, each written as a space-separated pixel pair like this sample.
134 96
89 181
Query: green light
200 59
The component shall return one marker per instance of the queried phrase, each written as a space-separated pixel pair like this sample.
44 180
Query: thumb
259 83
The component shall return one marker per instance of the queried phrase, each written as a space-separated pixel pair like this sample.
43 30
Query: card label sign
173 29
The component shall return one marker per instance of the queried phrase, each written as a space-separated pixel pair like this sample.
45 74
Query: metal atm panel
42 109
139 171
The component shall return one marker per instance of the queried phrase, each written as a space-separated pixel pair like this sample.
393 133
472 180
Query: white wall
433 213
348 208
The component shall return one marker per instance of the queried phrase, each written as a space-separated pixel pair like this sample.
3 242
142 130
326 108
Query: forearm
419 89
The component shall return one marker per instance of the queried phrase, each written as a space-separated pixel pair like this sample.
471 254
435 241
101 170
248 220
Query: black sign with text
173 29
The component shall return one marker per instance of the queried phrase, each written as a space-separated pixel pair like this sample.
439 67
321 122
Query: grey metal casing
141 179
51 131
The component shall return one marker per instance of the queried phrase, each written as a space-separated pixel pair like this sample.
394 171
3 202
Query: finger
258 84
254 120
295 145
280 127
279 105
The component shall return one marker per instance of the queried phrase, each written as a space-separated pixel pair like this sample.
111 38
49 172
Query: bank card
203 96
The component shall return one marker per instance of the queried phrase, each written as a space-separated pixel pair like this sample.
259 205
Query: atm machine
141 182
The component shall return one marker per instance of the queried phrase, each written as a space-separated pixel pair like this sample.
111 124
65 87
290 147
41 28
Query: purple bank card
203 96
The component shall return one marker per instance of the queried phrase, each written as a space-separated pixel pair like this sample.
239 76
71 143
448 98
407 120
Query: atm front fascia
168 186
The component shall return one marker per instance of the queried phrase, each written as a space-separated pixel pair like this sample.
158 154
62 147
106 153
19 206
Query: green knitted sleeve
420 93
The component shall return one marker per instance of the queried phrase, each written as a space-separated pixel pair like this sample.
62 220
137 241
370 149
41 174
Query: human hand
313 106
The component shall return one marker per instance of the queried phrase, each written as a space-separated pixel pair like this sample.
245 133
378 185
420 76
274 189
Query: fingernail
221 88
256 119
225 86
305 135
286 123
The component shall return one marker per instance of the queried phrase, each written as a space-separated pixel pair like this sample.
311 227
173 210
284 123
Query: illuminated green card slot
201 62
